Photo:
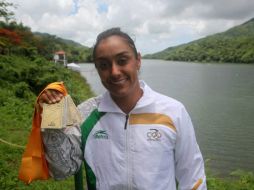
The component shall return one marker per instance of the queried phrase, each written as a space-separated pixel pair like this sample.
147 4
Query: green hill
75 51
60 40
235 45
17 39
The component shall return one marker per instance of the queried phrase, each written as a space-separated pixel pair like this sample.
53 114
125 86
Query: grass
237 180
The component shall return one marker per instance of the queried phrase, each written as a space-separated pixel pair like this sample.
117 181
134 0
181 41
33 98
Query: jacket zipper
126 121
127 152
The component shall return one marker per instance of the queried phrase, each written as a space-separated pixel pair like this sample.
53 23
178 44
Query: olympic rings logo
153 135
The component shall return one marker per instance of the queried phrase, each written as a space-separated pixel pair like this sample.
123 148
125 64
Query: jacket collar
107 104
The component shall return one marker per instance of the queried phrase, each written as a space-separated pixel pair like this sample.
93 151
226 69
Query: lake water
220 100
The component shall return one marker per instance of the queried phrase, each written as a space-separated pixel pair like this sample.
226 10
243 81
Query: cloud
37 8
207 9
155 25
228 9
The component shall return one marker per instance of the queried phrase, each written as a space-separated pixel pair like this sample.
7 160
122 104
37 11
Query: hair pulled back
114 32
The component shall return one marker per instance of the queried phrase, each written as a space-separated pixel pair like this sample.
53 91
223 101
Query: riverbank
21 80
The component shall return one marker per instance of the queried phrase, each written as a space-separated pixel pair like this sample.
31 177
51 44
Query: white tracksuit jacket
149 149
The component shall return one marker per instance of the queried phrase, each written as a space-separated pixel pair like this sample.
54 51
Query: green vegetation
238 180
75 52
17 39
236 45
21 81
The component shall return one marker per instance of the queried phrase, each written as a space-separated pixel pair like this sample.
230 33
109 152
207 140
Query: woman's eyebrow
103 58
122 53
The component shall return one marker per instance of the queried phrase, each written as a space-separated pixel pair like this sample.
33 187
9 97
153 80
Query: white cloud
155 25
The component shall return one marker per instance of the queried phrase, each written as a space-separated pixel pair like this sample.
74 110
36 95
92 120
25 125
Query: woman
132 137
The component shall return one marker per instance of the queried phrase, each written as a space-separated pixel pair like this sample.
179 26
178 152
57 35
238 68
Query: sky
153 24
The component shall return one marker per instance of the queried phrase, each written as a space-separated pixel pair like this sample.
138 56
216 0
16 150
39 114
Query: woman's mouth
118 81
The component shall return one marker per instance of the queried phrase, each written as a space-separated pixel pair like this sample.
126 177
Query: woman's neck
127 103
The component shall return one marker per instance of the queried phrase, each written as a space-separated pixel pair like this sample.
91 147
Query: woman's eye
122 61
102 65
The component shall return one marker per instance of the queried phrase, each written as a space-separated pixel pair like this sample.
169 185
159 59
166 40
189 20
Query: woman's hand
50 97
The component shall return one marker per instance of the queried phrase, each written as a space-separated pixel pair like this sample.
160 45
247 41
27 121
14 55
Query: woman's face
118 67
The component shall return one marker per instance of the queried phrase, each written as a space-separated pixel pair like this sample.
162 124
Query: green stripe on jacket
86 128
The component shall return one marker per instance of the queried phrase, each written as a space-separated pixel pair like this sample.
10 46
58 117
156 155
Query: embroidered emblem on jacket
153 135
100 134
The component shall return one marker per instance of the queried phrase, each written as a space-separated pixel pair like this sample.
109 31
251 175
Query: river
220 100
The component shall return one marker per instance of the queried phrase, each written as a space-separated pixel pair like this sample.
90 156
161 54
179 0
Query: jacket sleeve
63 152
189 163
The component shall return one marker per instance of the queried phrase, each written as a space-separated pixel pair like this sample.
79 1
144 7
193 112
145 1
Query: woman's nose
115 70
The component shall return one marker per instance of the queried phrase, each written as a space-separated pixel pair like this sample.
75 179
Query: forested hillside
235 45
17 39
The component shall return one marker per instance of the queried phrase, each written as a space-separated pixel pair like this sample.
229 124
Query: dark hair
114 32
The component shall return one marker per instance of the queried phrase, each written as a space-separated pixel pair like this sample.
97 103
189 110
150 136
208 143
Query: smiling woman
126 130
118 66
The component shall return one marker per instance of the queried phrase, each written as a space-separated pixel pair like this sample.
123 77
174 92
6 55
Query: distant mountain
235 45
75 52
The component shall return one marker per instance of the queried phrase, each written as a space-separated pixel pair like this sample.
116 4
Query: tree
5 13
8 39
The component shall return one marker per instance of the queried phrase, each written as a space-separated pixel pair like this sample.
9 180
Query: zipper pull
126 122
